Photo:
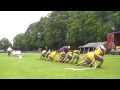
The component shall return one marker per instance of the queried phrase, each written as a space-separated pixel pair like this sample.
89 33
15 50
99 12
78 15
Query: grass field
29 67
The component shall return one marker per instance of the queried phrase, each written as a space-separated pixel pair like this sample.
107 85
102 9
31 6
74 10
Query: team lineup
66 56
60 45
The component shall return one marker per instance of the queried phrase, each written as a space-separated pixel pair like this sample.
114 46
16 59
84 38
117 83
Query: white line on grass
82 68
7 58
78 69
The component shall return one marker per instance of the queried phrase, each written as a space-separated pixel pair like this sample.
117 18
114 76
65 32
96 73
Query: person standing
9 50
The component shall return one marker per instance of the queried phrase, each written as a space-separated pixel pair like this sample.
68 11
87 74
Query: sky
13 23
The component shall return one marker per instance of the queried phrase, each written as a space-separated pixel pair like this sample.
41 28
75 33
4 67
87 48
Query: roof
93 45
88 45
114 32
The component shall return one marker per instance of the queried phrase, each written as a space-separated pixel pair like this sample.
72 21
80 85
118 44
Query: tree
4 43
57 29
74 28
18 42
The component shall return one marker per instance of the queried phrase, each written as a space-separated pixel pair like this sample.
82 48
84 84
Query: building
92 46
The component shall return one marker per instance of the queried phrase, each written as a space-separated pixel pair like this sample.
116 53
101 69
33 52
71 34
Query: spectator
9 50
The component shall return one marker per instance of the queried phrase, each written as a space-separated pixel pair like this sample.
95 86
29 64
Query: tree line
74 28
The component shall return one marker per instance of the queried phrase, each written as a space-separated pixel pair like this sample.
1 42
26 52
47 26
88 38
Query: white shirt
9 49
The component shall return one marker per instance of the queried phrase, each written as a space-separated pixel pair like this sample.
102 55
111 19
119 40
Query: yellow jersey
70 53
76 52
90 55
62 54
98 51
52 54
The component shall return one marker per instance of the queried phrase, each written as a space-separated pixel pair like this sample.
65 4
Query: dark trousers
8 53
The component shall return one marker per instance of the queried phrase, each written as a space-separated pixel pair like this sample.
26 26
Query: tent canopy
93 45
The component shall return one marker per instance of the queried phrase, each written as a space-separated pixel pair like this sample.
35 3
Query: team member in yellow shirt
91 57
88 59
52 55
99 52
68 56
76 54
61 57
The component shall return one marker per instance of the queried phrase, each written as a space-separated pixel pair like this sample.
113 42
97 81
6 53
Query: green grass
29 67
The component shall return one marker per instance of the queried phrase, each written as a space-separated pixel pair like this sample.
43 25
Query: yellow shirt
98 51
70 53
62 54
52 55
90 55
76 52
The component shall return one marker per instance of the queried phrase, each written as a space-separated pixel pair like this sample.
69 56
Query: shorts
42 55
50 57
68 56
76 56
98 57
87 60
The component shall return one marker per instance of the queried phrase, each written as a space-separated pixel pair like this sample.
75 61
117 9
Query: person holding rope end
91 57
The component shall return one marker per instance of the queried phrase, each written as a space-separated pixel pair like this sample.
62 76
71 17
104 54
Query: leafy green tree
72 28
57 29
115 21
29 37
18 42
4 43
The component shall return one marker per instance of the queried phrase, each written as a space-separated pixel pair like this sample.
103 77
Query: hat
102 47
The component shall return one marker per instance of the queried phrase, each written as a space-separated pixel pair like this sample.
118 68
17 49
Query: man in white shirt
9 50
